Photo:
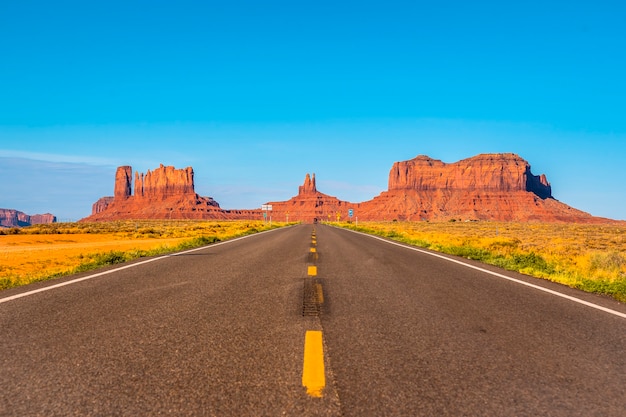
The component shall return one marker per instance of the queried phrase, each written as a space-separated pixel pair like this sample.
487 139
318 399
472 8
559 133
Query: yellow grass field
46 251
588 257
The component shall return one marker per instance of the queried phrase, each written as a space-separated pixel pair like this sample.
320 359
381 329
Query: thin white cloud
65 189
60 158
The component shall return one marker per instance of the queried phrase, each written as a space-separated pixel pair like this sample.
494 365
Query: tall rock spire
308 186
123 182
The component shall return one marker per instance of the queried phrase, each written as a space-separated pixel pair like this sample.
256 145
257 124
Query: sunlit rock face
164 193
497 187
488 172
485 187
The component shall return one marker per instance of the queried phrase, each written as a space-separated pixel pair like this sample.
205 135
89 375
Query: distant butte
165 193
497 187
310 205
15 218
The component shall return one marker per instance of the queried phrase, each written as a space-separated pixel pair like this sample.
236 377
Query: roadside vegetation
588 257
42 252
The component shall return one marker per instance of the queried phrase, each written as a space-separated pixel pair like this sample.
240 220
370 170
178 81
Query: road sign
350 213
266 207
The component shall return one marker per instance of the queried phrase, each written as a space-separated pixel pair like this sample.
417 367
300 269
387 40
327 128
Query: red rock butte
15 218
165 193
485 187
310 205
497 187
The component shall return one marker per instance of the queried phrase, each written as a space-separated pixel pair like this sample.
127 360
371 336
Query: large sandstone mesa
485 187
491 172
165 193
15 218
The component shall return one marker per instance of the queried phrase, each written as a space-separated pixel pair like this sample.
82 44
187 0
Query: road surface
309 320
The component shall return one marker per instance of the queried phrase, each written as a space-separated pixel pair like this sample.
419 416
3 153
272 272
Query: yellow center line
313 375
313 250
312 270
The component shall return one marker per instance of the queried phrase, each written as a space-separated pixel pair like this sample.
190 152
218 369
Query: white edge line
110 271
517 281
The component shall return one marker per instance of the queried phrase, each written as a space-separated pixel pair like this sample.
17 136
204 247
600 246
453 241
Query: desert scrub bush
468 252
109 258
96 260
419 242
611 261
392 234
614 288
527 263
197 242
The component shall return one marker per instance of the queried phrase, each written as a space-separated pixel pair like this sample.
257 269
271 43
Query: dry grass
46 251
588 257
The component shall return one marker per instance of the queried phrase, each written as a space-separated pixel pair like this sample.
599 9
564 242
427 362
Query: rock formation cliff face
164 193
486 187
102 204
489 172
164 182
42 218
14 218
123 182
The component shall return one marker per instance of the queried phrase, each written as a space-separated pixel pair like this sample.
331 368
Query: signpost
267 208
350 214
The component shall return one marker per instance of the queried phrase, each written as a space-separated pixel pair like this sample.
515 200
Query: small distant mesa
499 187
14 218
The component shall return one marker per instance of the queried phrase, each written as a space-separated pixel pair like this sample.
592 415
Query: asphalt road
220 331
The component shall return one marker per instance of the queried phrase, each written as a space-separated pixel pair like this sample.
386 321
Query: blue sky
253 95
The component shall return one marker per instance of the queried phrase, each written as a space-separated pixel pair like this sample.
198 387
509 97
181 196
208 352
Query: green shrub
109 258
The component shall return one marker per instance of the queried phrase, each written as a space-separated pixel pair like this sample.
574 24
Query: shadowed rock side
165 193
15 218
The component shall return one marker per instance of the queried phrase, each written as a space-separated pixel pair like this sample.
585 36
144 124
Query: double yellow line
313 372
